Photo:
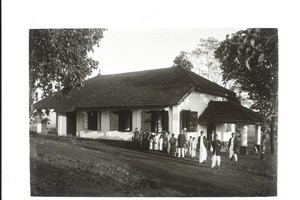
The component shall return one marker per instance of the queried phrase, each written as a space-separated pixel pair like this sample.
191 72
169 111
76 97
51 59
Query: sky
126 50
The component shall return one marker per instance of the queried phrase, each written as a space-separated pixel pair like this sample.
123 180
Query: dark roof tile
228 112
158 87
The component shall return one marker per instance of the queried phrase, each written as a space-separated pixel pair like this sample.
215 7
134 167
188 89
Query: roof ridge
188 72
132 72
185 72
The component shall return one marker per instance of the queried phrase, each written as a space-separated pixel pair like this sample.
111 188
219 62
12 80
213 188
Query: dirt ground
65 166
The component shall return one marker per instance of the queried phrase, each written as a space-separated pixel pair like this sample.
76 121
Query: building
170 99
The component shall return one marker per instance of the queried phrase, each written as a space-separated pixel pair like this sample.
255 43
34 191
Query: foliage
183 61
59 59
250 58
208 66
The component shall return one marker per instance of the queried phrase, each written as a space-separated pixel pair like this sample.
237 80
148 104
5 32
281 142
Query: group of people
144 139
181 146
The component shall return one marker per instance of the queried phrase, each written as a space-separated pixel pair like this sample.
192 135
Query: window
188 120
157 121
91 120
121 120
114 120
228 127
125 120
146 120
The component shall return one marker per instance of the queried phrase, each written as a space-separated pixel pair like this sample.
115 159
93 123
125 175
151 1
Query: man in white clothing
193 147
202 147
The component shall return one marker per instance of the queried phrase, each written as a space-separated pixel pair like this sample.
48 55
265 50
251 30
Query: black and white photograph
208 117
148 110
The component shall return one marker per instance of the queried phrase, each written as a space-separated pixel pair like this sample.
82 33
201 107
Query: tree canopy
59 59
183 61
250 58
204 59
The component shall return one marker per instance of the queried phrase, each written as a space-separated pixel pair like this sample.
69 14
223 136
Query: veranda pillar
39 122
136 119
257 138
176 120
79 123
244 141
61 124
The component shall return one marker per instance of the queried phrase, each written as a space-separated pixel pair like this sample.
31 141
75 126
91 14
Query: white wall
197 102
194 102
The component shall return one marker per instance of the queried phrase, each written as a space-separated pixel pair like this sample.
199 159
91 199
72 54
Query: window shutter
193 121
165 120
153 121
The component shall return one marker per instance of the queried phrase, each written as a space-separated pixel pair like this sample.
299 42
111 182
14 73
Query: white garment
155 143
181 152
169 145
194 147
231 152
151 144
215 160
160 144
202 151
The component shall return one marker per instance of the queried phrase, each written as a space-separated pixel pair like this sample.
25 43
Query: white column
257 135
105 121
176 120
62 124
139 119
244 136
39 122
170 113
232 128
136 119
79 123
98 121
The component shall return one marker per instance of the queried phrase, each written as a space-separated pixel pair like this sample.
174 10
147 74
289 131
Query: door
211 128
71 123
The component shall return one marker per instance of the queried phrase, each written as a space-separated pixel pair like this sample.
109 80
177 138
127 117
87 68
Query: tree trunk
31 100
272 134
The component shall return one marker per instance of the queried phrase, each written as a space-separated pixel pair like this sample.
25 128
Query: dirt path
73 167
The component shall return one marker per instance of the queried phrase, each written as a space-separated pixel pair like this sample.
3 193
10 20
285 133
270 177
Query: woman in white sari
202 148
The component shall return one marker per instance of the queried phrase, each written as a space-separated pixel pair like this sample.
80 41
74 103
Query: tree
204 59
59 59
183 61
250 58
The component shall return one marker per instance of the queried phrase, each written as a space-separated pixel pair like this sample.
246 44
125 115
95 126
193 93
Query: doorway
211 128
71 123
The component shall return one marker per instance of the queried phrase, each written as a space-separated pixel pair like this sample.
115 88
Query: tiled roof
159 87
228 112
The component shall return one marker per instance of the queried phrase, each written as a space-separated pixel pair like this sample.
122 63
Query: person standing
216 155
168 139
155 139
181 144
165 142
151 142
135 138
232 148
172 142
189 145
202 148
160 142
141 137
194 147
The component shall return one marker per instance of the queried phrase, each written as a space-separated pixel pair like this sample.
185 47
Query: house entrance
71 123
211 128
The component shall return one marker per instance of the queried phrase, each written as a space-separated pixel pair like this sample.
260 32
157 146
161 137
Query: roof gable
228 112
